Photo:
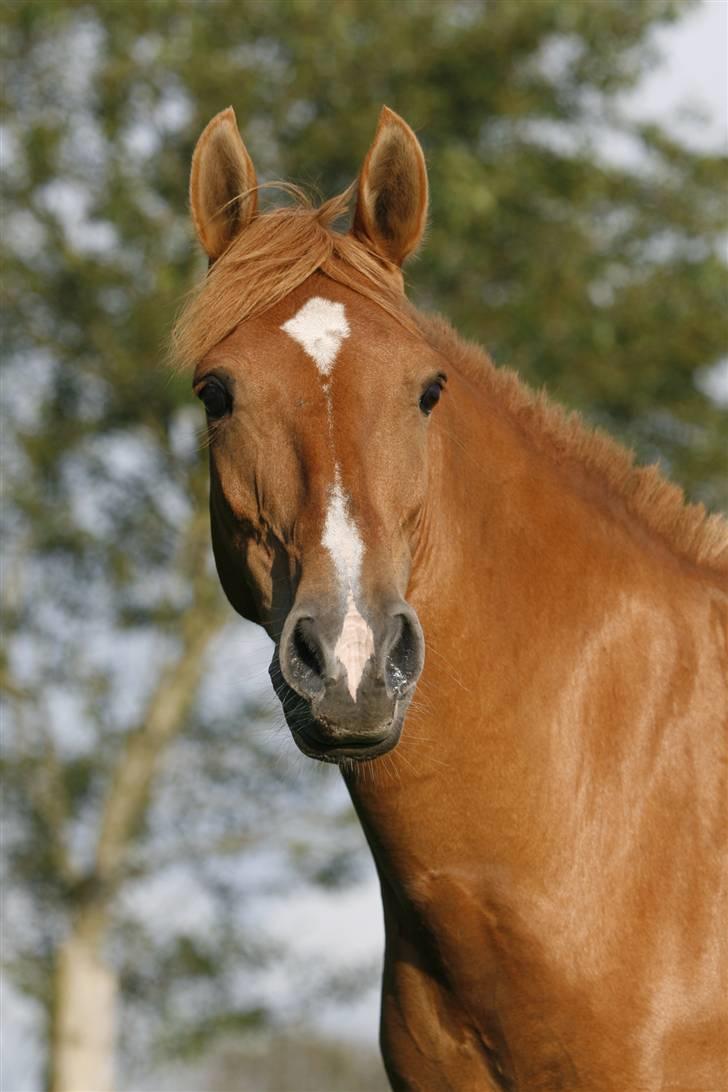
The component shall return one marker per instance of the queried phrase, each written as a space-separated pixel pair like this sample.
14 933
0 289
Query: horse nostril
403 661
302 656
305 647
310 664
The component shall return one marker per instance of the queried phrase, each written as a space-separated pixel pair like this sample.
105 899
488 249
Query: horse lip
360 750
303 725
354 740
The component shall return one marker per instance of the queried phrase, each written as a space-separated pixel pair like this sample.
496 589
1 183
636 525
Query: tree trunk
85 987
84 990
84 1013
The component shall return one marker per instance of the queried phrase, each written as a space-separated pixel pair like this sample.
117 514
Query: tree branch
128 796
45 786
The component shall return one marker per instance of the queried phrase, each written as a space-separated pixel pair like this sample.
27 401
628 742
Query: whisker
451 671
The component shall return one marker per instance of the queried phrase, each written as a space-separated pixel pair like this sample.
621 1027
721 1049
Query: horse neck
537 597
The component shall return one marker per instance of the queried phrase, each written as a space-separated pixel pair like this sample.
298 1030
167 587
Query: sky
693 74
688 92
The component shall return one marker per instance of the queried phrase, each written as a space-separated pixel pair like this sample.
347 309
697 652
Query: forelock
270 258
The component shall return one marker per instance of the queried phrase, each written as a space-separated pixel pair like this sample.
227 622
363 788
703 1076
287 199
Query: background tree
126 746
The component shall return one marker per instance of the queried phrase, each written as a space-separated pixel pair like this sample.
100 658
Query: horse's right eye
215 397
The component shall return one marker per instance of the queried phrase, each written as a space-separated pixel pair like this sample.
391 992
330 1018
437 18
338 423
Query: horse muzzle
344 681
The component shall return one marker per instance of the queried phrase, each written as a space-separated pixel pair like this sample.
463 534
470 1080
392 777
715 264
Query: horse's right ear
223 198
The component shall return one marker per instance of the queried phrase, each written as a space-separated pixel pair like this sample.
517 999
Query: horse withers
510 638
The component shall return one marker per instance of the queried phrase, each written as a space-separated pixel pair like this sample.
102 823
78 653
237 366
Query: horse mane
280 249
658 504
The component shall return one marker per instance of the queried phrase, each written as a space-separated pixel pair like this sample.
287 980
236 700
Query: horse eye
430 398
215 397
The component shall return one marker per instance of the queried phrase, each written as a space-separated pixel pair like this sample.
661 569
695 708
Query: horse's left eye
430 398
215 397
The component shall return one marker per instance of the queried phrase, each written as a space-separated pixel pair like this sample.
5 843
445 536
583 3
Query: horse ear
221 182
391 208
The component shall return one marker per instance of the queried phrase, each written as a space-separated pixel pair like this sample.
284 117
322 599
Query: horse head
318 389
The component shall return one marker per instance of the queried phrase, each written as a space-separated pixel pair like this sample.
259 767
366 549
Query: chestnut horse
510 638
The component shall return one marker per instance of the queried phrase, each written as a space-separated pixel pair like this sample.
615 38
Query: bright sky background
693 81
694 73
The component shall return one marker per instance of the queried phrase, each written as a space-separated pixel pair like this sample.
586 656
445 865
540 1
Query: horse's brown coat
550 832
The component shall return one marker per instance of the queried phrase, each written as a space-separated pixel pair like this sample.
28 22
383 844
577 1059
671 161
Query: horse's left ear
223 198
391 208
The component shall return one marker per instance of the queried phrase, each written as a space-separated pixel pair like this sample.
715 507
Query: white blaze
319 327
355 646
341 538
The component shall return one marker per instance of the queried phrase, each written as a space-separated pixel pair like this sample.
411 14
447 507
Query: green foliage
597 276
192 1043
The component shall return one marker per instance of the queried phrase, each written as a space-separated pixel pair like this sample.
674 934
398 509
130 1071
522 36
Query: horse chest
470 1003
